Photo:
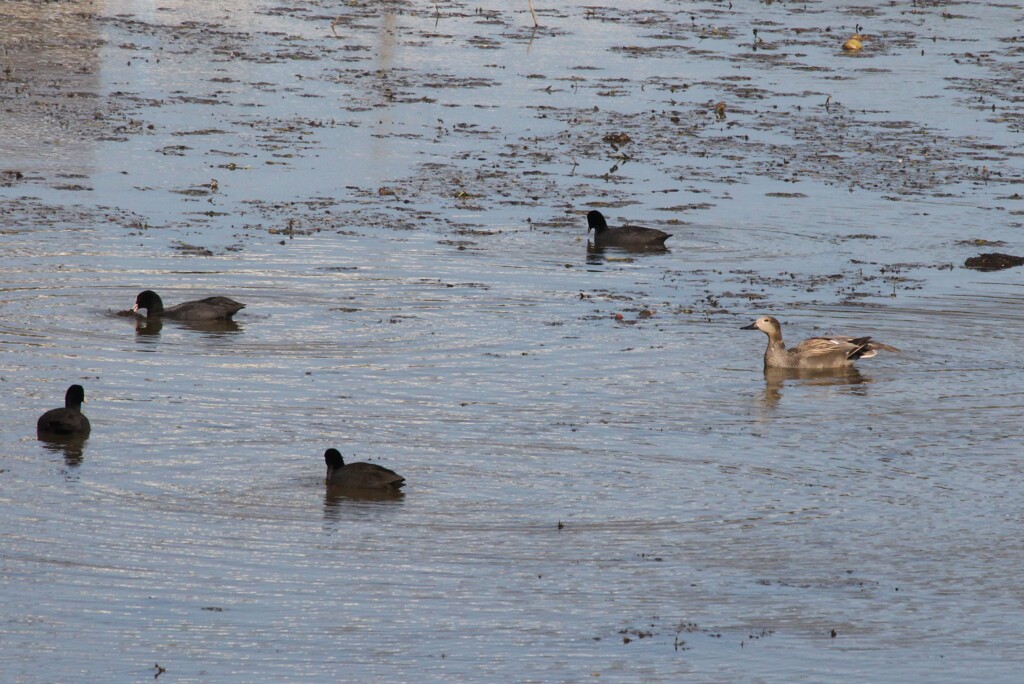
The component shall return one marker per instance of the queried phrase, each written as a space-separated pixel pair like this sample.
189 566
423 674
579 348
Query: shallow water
400 201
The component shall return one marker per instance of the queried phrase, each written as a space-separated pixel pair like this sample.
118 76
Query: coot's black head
333 459
150 301
74 397
596 222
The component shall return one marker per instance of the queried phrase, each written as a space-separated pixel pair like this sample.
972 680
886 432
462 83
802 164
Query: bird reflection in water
775 380
213 328
598 256
356 503
146 327
71 448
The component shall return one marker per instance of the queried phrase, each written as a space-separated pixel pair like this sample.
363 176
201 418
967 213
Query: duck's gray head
769 325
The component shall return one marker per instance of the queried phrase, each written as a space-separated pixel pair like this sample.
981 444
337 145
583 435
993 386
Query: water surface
400 200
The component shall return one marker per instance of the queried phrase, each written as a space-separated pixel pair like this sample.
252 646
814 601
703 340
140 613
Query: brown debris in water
617 139
993 261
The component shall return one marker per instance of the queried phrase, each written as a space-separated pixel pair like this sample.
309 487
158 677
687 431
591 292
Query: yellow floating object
853 44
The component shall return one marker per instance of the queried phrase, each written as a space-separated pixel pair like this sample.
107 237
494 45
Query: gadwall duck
209 309
67 422
816 353
625 237
360 475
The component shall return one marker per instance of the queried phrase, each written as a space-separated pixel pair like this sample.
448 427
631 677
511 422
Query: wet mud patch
858 282
994 261
27 214
684 635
